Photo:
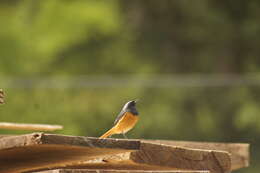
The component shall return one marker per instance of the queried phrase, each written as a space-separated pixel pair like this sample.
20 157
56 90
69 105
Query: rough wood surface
40 151
239 151
163 157
3 136
114 171
1 96
34 127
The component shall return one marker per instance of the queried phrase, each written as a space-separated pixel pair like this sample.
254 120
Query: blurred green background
193 65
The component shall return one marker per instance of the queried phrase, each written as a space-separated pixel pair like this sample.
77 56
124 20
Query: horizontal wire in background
122 81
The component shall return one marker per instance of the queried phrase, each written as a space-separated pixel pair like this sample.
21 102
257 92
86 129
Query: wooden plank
41 151
34 127
240 155
3 136
163 157
115 171
239 152
1 96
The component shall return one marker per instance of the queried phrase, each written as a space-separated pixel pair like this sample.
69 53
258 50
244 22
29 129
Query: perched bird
125 120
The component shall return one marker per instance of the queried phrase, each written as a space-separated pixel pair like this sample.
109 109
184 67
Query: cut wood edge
40 151
162 157
183 158
240 152
33 127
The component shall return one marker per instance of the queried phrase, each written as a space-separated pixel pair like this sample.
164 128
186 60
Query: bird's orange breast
126 123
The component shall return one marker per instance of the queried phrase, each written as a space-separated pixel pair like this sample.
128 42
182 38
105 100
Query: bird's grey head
130 107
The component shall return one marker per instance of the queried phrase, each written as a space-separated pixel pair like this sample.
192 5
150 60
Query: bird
125 121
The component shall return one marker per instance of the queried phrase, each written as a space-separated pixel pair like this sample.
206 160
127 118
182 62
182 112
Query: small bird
125 120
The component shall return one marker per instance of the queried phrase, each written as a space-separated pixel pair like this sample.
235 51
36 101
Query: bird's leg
124 136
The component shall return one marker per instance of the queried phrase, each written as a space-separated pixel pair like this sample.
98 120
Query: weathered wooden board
3 136
114 171
40 151
34 127
240 155
163 157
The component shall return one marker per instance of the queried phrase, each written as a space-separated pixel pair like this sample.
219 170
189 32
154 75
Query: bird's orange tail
108 133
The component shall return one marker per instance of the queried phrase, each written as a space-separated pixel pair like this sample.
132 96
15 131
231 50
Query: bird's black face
130 107
131 103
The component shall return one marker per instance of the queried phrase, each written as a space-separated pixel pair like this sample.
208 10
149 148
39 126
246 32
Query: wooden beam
34 127
239 151
40 151
115 171
162 157
3 136
1 96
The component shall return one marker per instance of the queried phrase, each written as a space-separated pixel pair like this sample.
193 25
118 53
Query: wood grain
163 157
40 151
240 155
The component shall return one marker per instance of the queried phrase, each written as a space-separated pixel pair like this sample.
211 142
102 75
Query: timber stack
53 153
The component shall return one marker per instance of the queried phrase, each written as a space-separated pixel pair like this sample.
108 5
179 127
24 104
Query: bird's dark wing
119 116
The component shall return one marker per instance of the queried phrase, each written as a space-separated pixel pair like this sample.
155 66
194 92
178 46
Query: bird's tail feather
108 133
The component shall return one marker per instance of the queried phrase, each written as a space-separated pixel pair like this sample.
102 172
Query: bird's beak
137 100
